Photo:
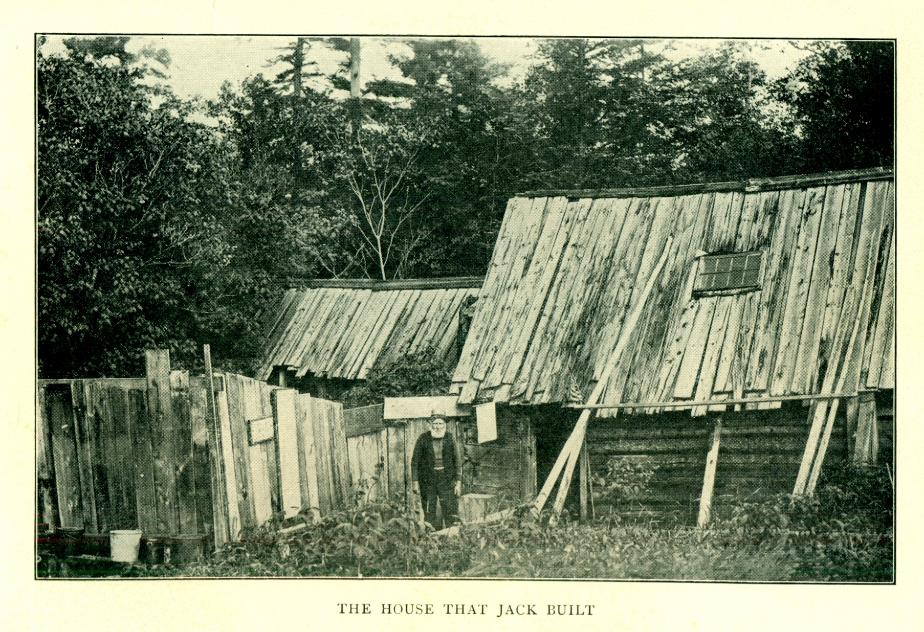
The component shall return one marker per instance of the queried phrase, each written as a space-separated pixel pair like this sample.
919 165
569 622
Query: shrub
422 373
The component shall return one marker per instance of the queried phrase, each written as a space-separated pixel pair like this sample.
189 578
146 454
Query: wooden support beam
565 486
713 402
572 445
866 446
712 462
584 480
834 369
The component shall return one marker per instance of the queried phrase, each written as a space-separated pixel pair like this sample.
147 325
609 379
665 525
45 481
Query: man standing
435 473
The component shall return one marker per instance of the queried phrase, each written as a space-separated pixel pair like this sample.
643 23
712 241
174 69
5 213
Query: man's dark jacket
422 460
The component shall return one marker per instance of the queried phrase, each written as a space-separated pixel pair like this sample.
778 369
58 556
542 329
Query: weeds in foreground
844 534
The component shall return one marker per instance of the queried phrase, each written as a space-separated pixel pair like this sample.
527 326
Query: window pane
728 272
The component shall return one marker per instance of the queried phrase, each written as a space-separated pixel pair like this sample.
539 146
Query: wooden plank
339 451
183 451
397 473
287 450
229 481
847 231
218 492
64 457
160 414
797 292
201 465
711 352
260 430
819 284
270 449
321 446
863 453
44 468
260 481
240 449
712 460
121 470
103 457
883 333
424 407
85 456
307 456
834 369
583 481
98 417
688 370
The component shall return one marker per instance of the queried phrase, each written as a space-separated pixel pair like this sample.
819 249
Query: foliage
129 218
420 373
843 534
158 229
622 481
843 98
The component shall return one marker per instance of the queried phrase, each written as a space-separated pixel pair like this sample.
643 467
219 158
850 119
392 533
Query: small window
737 271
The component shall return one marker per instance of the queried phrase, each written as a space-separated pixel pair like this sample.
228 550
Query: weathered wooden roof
569 266
340 328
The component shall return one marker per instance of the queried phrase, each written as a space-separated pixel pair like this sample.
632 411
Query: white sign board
260 430
422 407
486 418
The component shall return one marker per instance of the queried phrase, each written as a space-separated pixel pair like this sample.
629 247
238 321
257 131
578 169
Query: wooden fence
158 453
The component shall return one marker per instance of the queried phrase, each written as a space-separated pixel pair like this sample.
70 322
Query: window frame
701 262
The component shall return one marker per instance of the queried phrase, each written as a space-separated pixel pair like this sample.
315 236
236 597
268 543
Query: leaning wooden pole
848 367
568 456
835 363
712 463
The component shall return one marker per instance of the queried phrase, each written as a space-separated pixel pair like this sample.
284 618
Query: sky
200 64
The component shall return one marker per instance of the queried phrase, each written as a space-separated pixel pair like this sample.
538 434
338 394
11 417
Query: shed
326 335
760 276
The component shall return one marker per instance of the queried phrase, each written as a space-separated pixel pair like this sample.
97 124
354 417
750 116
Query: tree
843 96
383 176
129 210
720 119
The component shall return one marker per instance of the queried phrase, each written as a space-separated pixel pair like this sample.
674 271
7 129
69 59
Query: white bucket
124 544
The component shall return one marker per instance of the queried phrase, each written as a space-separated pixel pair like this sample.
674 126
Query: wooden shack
780 290
324 337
